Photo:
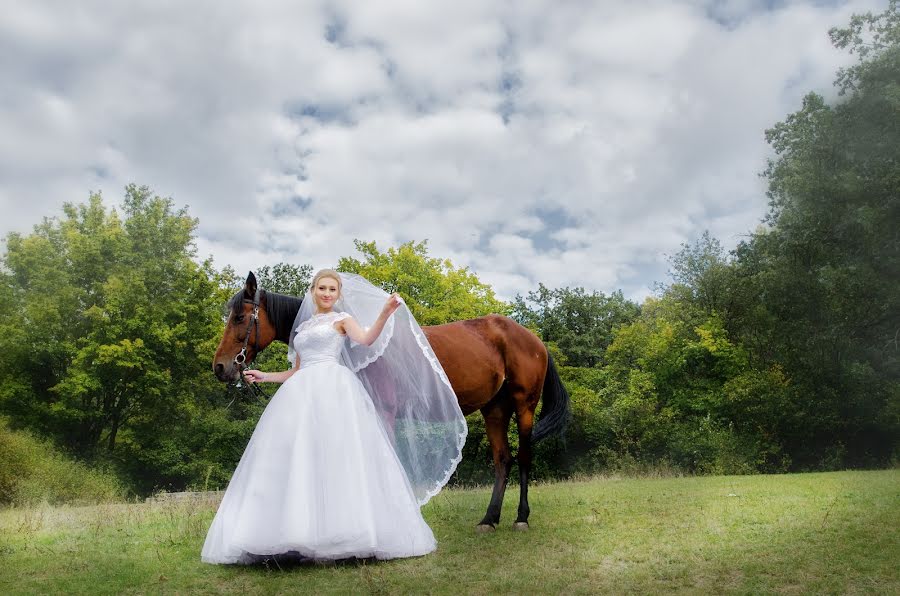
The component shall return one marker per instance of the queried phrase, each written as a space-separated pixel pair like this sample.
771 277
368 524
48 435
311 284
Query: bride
363 431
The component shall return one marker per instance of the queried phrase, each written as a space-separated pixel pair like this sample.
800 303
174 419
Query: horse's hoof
484 528
520 526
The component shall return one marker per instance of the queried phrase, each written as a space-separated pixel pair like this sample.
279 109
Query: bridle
240 359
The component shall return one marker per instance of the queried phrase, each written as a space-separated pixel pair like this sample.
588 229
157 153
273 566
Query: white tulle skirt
318 479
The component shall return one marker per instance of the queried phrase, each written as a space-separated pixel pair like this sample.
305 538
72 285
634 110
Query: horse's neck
282 311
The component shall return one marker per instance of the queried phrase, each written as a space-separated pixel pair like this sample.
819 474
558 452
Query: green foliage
674 396
34 471
875 40
578 324
703 282
435 291
112 326
284 278
823 275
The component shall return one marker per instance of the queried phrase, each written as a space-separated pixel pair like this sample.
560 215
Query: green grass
807 533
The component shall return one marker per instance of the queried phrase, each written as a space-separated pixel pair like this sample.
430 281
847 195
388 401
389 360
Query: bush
33 471
704 446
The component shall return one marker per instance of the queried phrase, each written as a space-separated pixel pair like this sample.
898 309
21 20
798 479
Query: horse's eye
239 319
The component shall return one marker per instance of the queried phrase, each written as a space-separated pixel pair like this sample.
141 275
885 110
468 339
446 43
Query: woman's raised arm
368 336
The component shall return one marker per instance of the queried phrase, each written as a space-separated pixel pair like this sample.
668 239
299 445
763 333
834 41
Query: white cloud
568 143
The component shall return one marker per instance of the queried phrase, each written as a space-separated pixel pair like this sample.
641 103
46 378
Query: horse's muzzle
225 374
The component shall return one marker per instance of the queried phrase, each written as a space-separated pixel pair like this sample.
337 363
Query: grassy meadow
804 533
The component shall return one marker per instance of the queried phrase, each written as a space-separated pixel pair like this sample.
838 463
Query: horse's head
248 331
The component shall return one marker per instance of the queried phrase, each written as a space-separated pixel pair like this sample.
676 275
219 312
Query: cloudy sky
563 142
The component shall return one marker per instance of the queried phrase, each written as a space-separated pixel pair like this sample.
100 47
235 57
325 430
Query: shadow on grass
292 560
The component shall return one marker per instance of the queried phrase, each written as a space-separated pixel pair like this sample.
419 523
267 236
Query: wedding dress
319 477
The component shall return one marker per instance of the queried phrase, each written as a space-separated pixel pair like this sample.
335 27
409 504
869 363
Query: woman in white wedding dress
336 467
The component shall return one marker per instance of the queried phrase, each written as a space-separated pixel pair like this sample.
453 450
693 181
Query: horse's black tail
555 412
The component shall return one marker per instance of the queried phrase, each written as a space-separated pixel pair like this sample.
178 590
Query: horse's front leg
496 423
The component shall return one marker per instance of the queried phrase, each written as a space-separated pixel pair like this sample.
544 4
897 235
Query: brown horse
494 365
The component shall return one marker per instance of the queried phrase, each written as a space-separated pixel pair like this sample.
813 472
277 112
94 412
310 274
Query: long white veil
411 392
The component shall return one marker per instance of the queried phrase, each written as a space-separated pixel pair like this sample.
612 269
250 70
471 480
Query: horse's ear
250 286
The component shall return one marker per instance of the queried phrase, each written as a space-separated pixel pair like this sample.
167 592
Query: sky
561 142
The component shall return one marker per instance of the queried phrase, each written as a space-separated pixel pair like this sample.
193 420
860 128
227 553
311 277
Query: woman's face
326 292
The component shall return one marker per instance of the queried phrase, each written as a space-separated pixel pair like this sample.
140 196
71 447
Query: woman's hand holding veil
392 304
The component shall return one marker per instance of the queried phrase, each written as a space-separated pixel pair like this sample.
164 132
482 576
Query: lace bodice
318 341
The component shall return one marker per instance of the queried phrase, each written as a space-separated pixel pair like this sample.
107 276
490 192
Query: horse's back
479 354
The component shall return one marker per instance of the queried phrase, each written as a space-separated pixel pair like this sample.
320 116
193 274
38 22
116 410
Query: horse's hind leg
525 421
496 422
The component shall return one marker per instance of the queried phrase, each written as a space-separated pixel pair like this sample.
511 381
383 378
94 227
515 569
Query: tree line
780 355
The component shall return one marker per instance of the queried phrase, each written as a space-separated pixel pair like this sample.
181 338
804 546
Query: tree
435 291
825 271
112 325
703 278
284 278
687 395
578 323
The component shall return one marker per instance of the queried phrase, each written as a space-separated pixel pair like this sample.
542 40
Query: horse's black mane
281 309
